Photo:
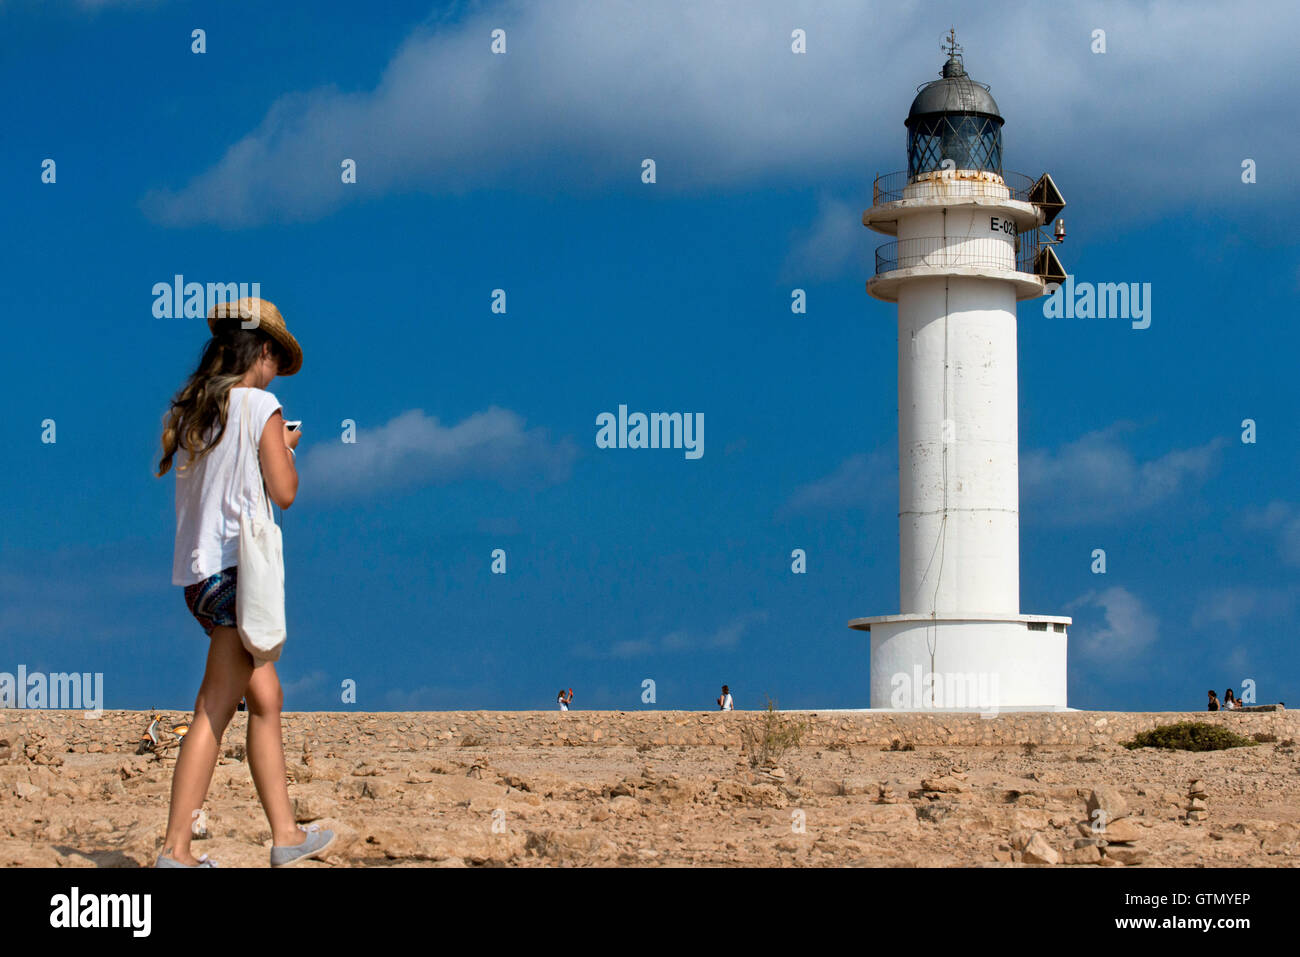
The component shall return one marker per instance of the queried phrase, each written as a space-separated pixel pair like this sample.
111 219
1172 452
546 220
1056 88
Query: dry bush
767 740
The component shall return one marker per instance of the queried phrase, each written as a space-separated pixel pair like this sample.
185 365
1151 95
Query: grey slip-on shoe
165 861
316 843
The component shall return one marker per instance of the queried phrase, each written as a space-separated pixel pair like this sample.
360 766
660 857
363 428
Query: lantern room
954 118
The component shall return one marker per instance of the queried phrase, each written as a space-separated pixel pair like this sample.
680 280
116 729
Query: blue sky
477 430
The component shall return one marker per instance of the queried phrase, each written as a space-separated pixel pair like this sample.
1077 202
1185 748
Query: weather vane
952 48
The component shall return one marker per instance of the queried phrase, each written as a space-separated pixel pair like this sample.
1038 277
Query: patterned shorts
212 601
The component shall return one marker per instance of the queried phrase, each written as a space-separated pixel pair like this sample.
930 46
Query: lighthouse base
983 663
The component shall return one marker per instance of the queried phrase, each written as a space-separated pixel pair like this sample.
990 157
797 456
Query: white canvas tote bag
259 588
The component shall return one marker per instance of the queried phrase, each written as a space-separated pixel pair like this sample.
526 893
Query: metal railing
949 251
890 187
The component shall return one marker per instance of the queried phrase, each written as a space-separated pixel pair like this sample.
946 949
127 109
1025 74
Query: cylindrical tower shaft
958 510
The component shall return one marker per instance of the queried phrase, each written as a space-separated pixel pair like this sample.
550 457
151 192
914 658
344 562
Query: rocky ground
497 789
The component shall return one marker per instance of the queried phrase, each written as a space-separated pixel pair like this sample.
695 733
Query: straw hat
262 315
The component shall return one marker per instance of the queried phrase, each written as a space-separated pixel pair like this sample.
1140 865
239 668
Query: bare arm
277 464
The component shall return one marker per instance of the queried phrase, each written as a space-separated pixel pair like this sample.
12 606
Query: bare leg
224 680
266 754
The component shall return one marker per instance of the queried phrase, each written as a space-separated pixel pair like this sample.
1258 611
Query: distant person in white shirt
1230 702
564 699
724 700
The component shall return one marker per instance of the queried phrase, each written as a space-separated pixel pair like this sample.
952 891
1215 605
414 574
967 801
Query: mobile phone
294 426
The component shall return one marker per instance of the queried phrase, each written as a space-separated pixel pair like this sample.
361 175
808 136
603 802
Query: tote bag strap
246 440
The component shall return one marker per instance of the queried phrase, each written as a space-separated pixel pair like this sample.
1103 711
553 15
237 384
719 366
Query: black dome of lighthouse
955 93
954 123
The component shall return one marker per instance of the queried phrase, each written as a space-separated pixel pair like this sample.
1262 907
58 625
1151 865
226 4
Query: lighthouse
968 244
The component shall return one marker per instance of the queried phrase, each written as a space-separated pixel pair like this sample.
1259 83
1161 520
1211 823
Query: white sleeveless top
210 496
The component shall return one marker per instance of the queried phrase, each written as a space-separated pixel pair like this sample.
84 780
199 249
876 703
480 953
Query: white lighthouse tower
968 248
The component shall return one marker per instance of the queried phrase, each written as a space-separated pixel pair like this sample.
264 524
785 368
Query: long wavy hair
197 417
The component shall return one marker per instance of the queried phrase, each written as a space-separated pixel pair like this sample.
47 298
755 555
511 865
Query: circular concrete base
981 664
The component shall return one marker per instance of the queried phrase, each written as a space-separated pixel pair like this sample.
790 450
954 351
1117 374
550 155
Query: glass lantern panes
970 140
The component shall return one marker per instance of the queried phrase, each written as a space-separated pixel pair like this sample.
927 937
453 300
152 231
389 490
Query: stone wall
54 732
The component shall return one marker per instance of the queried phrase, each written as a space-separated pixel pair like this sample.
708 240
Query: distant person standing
1230 702
724 700
564 699
1214 701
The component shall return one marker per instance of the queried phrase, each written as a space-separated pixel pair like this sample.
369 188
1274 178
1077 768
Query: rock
471 841
1197 815
886 818
767 795
26 791
1106 804
933 813
1126 855
853 786
56 833
826 787
306 810
1197 804
1122 832
1089 854
1038 851
624 806
942 785
569 845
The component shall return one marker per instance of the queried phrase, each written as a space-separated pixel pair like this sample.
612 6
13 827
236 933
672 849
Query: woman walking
233 450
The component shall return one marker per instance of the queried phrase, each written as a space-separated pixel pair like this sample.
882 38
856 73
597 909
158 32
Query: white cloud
1234 606
417 449
835 239
1128 627
1096 478
682 640
306 683
1283 520
860 481
713 93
